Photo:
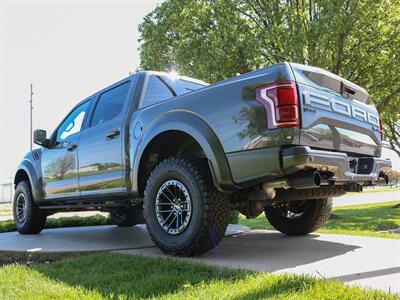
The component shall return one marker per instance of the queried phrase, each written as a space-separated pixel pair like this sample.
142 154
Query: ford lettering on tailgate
339 106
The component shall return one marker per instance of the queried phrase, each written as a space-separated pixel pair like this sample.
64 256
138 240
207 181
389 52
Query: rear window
156 91
180 86
160 88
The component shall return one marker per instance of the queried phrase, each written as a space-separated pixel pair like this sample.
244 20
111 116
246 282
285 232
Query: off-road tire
127 217
210 208
35 219
313 218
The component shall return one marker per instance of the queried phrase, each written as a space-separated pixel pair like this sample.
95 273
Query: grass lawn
364 220
5 207
118 276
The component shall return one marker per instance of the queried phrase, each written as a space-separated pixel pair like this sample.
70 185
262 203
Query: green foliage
117 276
234 217
365 220
214 40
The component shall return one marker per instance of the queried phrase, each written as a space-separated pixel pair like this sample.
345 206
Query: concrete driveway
363 261
368 262
366 198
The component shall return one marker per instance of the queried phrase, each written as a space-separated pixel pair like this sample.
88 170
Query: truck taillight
280 102
381 128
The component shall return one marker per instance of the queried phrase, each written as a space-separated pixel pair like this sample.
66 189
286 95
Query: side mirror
40 137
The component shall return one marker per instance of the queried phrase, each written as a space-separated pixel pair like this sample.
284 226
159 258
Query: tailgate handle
346 91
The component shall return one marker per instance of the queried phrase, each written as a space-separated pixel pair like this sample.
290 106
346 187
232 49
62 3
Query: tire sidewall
35 219
22 188
313 218
185 176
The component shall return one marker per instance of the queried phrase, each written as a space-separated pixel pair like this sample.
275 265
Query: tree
393 130
61 167
216 39
394 177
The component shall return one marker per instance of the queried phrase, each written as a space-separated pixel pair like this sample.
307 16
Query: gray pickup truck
179 154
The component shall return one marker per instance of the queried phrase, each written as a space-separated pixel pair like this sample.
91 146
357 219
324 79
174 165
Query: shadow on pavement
273 251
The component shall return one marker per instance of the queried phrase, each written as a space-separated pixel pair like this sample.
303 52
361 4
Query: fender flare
193 125
28 168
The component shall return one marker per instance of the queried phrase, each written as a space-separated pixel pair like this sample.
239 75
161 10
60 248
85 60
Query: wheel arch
26 172
177 128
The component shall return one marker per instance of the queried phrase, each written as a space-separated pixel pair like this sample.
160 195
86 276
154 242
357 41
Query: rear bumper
365 170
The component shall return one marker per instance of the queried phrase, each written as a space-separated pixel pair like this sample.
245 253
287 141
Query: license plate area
361 165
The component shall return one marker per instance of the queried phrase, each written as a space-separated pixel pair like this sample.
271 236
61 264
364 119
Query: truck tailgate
336 114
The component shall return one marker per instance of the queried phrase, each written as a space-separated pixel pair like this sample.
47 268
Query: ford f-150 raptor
179 154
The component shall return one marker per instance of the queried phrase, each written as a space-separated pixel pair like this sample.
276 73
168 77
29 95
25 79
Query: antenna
30 116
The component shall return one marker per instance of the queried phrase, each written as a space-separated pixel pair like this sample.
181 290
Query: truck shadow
256 250
273 251
145 277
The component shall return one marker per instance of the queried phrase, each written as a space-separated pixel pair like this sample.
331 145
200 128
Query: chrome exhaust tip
305 180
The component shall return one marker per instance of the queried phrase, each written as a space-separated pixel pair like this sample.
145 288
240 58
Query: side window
156 91
110 104
73 123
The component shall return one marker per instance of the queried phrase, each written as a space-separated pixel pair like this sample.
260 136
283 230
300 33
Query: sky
67 50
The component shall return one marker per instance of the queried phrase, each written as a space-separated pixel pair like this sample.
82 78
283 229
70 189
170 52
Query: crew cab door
59 161
100 153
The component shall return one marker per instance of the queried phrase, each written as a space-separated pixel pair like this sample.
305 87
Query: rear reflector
280 102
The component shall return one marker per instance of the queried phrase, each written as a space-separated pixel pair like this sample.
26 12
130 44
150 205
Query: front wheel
299 217
27 216
185 214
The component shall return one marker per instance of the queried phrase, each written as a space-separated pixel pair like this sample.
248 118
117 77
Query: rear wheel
127 217
184 212
27 216
299 217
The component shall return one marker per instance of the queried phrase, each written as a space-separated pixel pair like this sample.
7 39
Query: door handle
113 134
72 146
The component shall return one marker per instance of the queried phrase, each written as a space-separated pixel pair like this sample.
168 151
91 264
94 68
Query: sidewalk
366 198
